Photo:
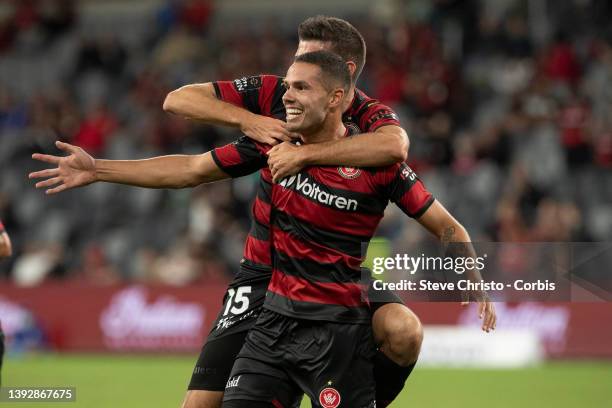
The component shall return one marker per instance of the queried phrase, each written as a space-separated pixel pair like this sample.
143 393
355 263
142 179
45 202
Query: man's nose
288 96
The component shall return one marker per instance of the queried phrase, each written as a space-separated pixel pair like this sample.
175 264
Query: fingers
272 151
274 170
282 137
44 173
46 158
489 321
270 140
277 171
493 317
57 189
481 309
48 183
67 147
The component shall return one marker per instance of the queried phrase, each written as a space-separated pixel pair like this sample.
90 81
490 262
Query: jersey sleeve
259 94
407 191
1 227
242 157
374 115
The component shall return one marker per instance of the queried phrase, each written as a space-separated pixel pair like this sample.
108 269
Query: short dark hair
333 68
345 39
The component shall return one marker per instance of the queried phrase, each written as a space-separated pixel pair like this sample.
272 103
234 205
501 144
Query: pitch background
146 381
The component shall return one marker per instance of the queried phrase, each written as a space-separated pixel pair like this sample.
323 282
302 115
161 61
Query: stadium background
508 106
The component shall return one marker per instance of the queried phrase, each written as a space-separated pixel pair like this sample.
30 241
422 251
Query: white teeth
293 111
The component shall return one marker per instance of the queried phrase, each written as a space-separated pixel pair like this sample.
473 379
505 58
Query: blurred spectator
574 120
95 267
37 263
106 55
58 17
560 63
95 130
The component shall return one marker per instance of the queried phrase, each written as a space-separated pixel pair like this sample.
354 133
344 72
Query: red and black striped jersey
319 220
263 95
1 227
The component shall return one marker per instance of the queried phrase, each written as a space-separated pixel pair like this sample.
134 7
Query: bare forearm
458 244
364 150
453 236
199 102
176 171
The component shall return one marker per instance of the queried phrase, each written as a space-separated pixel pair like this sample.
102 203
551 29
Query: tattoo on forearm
447 236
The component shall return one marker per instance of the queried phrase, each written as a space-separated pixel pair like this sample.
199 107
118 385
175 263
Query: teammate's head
316 84
336 35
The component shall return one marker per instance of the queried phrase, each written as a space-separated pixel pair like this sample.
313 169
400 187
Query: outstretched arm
386 145
453 235
199 102
80 169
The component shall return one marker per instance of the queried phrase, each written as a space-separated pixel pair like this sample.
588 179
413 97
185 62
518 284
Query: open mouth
293 113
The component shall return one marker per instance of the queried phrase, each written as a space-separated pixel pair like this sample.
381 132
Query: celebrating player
320 218
397 330
254 105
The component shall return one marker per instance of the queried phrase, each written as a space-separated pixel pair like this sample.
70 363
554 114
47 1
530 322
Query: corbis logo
329 398
349 172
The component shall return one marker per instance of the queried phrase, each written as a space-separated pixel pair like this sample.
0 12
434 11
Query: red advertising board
120 318
78 317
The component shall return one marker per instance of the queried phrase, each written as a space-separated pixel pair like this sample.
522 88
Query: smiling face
307 99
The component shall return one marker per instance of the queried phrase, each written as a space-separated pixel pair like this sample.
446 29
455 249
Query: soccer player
321 216
6 250
397 330
254 105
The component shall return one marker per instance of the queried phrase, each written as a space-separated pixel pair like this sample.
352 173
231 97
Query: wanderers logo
349 172
329 398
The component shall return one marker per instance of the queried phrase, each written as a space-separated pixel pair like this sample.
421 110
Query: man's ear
352 68
337 96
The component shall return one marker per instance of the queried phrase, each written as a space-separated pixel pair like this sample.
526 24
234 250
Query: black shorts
242 304
284 357
214 365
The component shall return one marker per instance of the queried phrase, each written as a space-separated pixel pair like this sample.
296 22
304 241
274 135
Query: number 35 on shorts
237 301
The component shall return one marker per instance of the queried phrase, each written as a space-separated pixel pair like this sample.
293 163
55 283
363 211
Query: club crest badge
349 172
329 398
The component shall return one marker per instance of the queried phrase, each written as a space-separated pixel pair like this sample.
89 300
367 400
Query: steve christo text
465 285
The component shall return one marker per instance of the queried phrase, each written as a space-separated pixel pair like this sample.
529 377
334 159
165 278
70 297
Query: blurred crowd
507 105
